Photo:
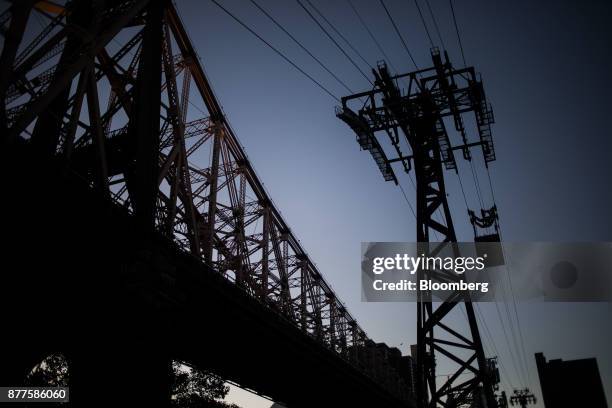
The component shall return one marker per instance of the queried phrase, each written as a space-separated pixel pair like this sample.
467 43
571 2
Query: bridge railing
165 151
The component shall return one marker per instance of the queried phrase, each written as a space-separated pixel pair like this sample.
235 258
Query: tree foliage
191 388
52 371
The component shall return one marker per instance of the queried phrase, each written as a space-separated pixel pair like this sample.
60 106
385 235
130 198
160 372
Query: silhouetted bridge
123 253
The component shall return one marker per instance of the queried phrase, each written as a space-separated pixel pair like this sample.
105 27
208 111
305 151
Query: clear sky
546 68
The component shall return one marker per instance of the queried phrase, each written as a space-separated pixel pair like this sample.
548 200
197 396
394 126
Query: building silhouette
573 383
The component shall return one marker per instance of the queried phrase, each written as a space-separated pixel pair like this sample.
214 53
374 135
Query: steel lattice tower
523 398
433 94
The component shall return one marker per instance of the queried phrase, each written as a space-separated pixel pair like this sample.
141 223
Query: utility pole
523 398
388 112
502 401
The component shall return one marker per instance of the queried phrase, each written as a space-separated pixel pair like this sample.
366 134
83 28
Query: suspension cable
314 19
295 40
249 29
397 31
416 3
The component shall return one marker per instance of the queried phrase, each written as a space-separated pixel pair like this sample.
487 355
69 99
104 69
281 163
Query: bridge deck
78 275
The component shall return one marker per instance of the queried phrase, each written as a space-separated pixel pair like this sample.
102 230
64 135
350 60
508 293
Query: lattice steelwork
184 175
413 118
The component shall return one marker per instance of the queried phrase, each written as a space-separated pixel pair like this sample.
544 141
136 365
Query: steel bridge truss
380 117
141 147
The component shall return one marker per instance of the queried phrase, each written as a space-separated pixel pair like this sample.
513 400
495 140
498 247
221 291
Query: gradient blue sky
546 68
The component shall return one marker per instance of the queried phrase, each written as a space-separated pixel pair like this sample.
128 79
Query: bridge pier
131 377
16 364
81 280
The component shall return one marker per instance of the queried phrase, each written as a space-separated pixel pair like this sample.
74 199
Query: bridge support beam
20 12
15 365
144 123
131 376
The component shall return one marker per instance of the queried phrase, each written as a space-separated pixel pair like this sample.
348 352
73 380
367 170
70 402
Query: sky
544 67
